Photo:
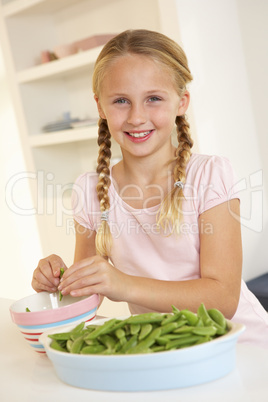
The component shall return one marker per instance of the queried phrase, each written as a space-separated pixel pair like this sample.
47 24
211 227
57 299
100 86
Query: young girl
161 227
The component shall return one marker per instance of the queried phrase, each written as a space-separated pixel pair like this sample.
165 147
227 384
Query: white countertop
28 376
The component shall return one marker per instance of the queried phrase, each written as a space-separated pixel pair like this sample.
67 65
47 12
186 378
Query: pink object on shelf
65 50
93 41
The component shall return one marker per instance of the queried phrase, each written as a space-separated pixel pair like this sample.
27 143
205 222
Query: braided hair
169 54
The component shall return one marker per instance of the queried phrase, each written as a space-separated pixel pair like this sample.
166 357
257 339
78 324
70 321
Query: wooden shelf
64 136
61 67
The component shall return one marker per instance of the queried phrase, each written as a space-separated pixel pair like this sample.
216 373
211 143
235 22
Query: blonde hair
170 55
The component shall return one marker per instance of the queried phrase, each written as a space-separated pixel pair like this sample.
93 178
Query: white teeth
140 135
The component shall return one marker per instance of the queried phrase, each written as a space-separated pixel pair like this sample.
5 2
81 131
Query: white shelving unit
41 93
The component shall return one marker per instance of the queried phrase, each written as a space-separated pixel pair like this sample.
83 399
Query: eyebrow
150 92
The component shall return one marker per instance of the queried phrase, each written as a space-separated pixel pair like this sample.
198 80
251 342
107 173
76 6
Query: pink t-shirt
140 249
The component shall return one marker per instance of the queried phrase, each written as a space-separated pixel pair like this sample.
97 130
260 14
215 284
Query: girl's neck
141 181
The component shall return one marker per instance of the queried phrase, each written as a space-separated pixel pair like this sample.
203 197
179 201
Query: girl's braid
103 239
103 168
170 211
183 151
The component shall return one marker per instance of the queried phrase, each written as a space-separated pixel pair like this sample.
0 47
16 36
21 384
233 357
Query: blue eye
120 101
154 99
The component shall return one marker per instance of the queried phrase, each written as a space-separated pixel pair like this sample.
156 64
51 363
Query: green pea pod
182 322
77 345
132 342
146 318
190 317
145 331
183 342
27 310
91 342
107 341
184 329
170 318
209 331
92 350
101 329
178 336
60 294
158 349
62 336
170 327
162 340
218 317
120 333
69 345
175 309
146 343
135 328
204 339
203 314
55 345
78 328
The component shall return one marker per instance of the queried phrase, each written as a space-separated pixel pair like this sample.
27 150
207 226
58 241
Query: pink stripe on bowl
38 316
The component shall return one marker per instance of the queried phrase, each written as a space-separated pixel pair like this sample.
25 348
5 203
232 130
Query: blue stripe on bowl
37 346
55 324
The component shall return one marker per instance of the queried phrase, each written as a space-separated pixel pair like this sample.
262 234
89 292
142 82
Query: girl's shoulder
87 179
208 166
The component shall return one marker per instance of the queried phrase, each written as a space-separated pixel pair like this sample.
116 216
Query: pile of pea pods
143 333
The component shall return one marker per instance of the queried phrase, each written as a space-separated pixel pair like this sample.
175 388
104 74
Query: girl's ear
101 113
184 103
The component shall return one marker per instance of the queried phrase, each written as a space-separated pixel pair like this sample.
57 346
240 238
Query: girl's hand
46 275
94 275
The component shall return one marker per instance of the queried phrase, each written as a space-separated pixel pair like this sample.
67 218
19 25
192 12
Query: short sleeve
83 200
217 183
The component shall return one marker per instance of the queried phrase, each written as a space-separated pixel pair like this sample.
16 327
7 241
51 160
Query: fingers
80 278
46 275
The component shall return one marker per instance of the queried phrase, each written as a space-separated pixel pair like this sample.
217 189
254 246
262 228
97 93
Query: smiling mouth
140 134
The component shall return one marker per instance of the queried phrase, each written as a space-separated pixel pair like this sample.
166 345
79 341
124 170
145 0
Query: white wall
19 243
225 42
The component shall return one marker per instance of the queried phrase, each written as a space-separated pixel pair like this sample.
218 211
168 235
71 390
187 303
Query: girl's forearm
160 295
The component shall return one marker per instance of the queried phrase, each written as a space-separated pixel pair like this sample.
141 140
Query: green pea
147 342
55 345
132 342
146 318
135 328
78 328
145 331
102 329
170 318
69 345
162 340
190 317
183 329
203 314
158 349
218 317
107 341
210 331
120 333
61 336
77 345
165 329
175 309
93 349
182 342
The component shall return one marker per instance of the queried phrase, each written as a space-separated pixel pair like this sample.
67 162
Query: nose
137 115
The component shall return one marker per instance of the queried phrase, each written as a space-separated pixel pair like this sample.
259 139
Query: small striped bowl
48 312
